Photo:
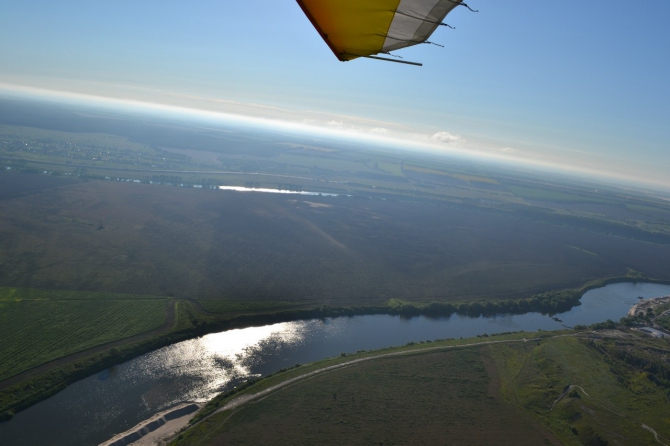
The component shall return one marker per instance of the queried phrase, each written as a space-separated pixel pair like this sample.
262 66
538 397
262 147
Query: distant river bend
96 408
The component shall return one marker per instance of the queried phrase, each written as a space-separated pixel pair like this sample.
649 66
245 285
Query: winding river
94 409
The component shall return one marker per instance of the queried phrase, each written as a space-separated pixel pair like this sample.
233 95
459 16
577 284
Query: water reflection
275 191
94 409
200 368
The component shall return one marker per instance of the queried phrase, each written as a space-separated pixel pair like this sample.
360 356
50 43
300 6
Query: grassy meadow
617 392
437 398
585 390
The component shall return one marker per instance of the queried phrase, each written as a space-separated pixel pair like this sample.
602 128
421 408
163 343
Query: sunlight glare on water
96 408
205 365
275 191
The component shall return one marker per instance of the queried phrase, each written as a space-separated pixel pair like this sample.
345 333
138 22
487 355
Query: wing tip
316 26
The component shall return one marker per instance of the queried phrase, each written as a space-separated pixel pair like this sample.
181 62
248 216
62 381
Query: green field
505 393
37 326
618 393
437 398
424 234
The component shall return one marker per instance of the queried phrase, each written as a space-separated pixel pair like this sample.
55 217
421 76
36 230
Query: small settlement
656 308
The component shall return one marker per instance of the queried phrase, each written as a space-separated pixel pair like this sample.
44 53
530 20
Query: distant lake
100 406
276 191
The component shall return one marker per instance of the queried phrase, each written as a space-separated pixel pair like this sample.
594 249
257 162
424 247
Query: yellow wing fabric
360 28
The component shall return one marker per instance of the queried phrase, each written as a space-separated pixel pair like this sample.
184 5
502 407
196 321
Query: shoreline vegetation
552 399
259 387
115 242
191 321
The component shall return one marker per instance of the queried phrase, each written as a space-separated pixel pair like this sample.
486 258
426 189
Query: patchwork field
37 326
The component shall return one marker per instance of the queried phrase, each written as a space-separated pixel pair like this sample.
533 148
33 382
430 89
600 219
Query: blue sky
584 87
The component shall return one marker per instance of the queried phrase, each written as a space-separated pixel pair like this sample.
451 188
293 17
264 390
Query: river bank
296 341
157 429
304 403
198 369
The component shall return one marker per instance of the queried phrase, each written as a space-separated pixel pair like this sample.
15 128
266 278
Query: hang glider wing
363 28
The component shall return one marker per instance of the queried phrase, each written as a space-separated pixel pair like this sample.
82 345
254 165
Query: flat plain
207 244
107 222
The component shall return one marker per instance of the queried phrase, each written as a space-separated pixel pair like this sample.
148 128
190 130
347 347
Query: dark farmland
12 186
189 243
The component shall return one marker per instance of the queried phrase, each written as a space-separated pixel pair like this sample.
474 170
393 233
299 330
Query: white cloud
392 134
446 137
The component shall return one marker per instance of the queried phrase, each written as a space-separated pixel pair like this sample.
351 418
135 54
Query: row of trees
546 303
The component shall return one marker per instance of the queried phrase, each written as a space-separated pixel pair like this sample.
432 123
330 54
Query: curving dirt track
242 400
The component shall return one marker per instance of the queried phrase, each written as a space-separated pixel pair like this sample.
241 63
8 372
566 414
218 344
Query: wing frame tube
407 62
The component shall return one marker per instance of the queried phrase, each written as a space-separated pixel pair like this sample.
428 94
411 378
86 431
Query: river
96 408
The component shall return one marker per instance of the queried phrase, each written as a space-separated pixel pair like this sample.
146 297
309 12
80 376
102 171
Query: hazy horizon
184 181
535 83
407 141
